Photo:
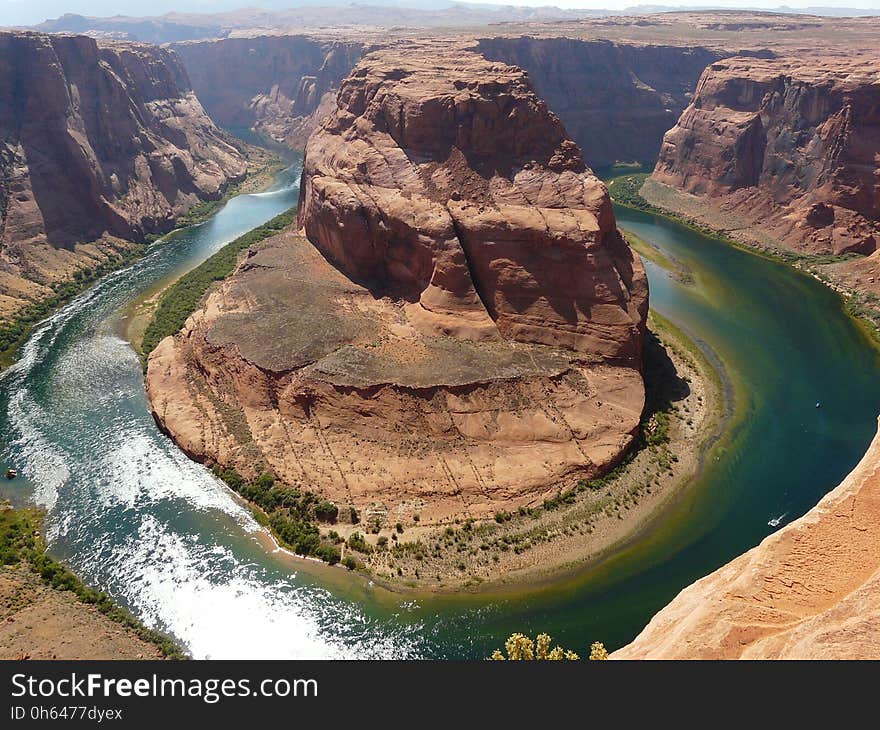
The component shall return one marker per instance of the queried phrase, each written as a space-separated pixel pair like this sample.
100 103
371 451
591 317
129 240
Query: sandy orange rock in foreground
39 622
809 591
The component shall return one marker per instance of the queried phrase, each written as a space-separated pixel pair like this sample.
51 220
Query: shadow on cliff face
663 385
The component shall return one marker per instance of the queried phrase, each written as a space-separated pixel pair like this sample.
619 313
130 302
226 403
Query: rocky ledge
809 591
457 330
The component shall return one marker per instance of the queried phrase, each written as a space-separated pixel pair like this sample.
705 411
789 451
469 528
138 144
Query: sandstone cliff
789 146
97 142
615 99
279 85
449 192
475 344
809 591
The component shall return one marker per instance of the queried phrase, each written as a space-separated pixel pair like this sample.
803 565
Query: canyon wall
280 85
457 333
788 146
97 142
615 99
809 591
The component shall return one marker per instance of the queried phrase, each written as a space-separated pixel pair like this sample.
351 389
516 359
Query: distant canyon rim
444 207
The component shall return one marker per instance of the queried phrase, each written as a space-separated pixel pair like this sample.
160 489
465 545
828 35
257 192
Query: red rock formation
477 346
280 85
96 140
809 591
790 146
451 184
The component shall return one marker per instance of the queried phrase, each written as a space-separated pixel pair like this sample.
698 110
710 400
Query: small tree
266 480
520 647
326 511
598 651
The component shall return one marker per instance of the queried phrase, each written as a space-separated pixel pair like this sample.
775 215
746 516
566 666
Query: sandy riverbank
39 622
46 612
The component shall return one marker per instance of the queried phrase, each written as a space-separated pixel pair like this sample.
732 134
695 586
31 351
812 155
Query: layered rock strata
457 332
788 146
99 143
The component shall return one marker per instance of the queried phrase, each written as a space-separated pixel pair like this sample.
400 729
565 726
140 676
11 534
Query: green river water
135 517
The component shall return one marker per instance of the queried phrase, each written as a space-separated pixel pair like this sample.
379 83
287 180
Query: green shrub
328 553
561 498
625 191
266 480
326 511
182 298
357 542
287 512
233 479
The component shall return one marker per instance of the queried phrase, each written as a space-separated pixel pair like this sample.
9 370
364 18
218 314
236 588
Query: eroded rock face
449 184
468 342
282 86
96 141
617 100
809 591
791 146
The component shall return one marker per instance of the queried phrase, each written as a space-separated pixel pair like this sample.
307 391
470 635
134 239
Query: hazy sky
28 12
